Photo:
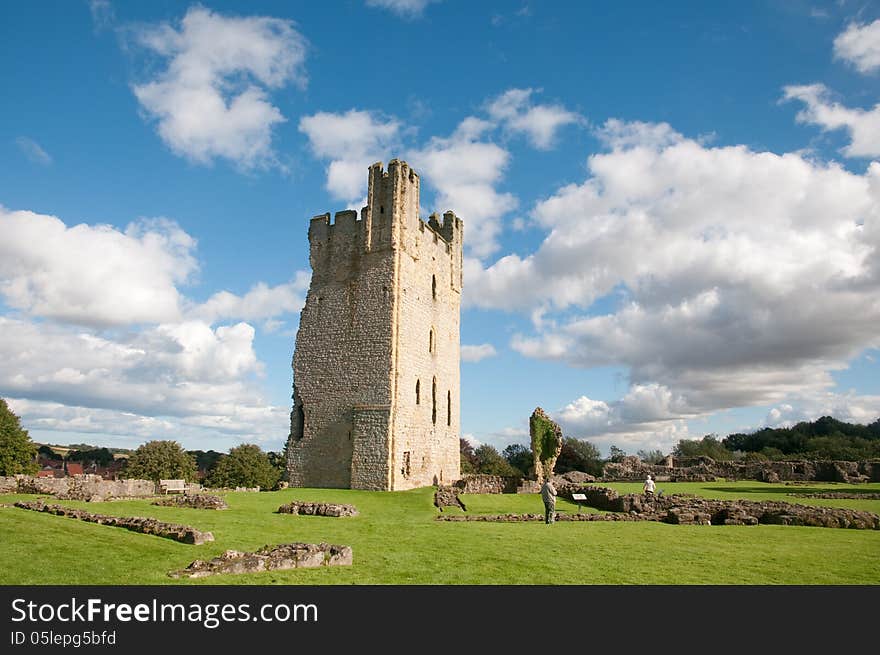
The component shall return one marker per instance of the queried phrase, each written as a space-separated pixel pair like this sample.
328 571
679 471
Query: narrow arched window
449 407
434 287
431 341
434 401
418 390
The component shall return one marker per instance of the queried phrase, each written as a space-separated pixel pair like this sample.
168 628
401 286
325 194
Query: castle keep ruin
376 361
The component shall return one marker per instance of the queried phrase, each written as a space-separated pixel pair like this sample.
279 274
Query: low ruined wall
182 533
270 558
78 487
487 484
318 509
447 497
196 501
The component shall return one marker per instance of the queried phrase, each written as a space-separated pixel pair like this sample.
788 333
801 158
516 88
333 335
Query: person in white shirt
649 487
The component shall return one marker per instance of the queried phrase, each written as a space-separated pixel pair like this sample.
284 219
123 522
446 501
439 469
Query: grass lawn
397 541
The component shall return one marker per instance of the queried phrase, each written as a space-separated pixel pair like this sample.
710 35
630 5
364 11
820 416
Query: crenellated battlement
390 220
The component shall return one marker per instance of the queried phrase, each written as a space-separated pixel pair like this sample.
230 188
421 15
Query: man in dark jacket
548 495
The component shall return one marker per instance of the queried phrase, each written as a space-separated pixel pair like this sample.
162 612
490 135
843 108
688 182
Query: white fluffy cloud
863 126
724 273
211 101
93 275
477 352
171 369
860 46
103 341
465 171
403 8
261 302
649 417
352 141
849 407
540 123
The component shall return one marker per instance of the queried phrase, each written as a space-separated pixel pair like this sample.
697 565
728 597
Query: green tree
245 466
279 462
469 461
18 454
99 456
206 460
491 462
519 457
616 454
579 455
708 446
161 460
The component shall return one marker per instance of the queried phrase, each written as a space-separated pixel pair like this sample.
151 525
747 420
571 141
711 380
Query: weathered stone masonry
376 364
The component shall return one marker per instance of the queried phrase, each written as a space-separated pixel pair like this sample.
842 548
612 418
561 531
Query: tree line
825 438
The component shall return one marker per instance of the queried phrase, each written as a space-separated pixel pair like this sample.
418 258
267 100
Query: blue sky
672 210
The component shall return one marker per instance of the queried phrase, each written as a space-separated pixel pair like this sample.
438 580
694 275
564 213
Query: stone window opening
449 407
405 469
431 341
381 209
418 390
434 401
434 287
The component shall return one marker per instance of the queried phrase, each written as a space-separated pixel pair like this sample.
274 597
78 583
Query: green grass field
397 541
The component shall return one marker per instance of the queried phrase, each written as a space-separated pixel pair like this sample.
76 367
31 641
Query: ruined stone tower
376 363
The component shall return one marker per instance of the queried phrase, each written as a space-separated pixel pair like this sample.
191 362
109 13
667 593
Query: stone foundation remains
448 497
182 533
270 558
686 509
197 501
317 509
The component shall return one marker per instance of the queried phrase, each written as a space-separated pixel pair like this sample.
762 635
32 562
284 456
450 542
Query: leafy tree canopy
18 454
579 455
245 466
161 460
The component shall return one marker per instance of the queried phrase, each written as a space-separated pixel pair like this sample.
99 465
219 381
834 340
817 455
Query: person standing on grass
548 495
649 487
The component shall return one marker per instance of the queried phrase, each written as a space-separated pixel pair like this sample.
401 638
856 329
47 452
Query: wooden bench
169 486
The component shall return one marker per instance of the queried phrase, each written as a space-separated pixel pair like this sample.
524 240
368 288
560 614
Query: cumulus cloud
859 45
103 341
649 417
478 352
170 369
93 274
32 150
211 101
849 407
404 8
863 126
540 123
723 272
352 141
465 171
261 302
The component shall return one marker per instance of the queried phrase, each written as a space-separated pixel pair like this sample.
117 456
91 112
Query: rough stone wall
487 484
380 285
78 487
